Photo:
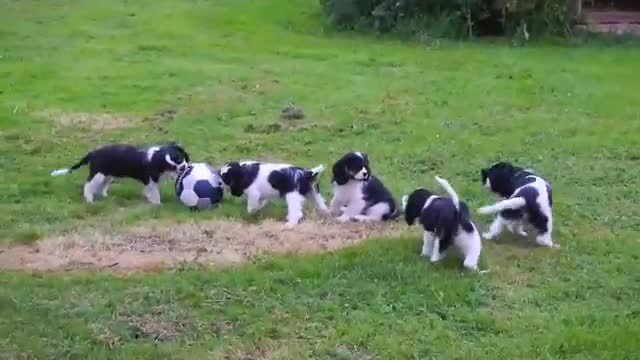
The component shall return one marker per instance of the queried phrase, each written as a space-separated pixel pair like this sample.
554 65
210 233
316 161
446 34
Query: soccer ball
199 186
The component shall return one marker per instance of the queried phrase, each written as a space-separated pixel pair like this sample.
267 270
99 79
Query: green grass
570 113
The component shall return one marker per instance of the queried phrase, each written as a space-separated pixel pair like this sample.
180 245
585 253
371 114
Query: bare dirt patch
93 121
158 245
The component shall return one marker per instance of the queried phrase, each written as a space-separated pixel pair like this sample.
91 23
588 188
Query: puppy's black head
352 166
497 178
233 175
178 152
171 157
414 203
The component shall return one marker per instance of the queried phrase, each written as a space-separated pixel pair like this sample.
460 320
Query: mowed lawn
214 75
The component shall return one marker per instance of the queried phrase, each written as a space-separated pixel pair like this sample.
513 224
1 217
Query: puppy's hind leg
295 204
544 237
93 186
473 247
436 255
374 213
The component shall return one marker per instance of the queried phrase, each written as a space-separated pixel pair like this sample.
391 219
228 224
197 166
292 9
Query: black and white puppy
263 181
145 164
357 194
527 200
446 222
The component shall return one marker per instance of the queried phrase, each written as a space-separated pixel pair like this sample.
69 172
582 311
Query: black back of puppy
293 178
375 192
440 216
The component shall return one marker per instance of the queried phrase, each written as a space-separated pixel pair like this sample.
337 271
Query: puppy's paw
323 212
343 218
487 236
362 218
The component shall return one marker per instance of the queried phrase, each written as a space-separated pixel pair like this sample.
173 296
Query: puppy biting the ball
144 164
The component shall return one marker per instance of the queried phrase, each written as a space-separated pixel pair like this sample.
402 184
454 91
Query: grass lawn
214 75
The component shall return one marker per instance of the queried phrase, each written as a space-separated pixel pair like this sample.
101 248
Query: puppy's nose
365 174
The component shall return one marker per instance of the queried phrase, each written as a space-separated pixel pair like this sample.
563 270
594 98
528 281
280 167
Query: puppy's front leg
254 202
427 244
496 228
152 192
336 205
472 254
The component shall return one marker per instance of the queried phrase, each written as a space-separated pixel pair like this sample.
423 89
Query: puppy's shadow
517 241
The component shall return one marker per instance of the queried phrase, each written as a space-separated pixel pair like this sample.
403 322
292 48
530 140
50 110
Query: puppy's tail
509 204
316 171
84 161
452 193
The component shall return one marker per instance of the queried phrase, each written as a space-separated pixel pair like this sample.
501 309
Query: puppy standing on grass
357 194
446 222
264 181
146 165
527 200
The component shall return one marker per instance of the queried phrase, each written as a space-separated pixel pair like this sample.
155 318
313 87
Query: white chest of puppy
358 195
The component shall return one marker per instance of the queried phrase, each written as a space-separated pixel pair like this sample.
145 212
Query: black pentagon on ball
179 184
205 189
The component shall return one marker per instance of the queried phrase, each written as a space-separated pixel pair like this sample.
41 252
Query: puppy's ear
340 172
410 209
484 174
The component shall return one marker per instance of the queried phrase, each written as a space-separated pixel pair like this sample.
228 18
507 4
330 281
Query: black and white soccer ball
199 186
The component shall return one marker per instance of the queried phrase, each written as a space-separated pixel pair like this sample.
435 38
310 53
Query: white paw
362 218
470 266
487 236
343 218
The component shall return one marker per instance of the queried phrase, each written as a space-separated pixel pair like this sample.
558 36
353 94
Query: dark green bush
450 18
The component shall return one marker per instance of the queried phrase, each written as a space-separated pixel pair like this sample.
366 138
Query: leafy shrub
450 18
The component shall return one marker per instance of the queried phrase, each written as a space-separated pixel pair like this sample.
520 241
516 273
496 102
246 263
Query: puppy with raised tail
144 164
527 201
263 181
446 223
357 194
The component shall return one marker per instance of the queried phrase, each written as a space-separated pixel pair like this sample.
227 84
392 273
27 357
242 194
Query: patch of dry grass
93 121
214 242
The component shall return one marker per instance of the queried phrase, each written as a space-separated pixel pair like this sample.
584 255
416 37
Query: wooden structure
618 16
